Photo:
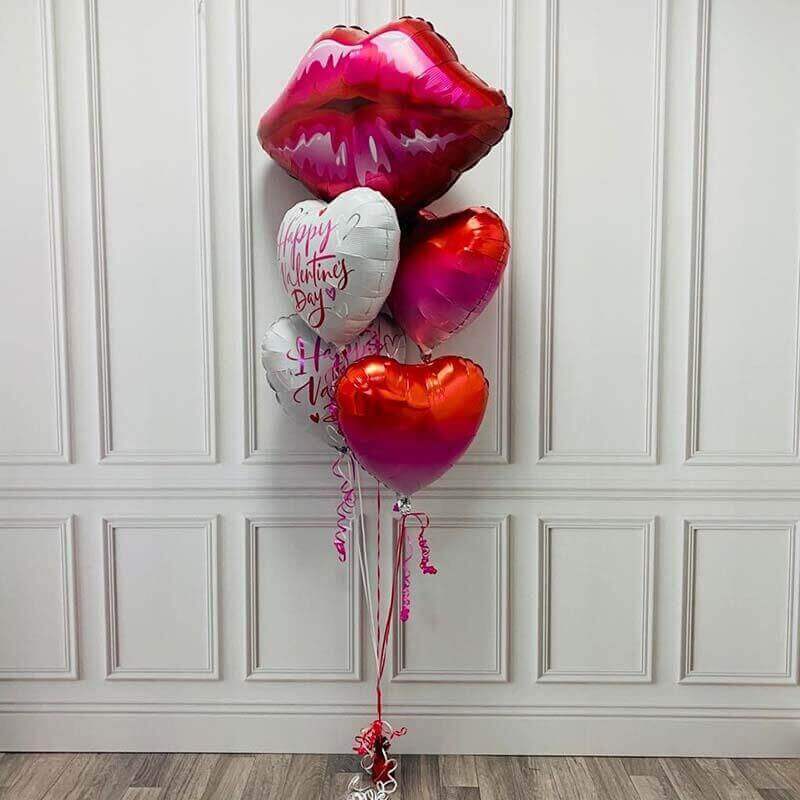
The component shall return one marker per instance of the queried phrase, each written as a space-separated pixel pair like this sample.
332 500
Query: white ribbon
379 792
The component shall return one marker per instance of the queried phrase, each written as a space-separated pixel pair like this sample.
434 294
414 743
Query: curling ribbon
424 548
346 509
425 564
405 597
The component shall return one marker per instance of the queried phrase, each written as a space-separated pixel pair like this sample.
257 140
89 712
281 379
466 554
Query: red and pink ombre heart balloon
409 423
449 269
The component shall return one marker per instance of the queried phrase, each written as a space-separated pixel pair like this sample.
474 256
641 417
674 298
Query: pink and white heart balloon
338 261
302 369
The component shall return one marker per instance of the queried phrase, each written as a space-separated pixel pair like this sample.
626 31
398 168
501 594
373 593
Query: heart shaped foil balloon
394 110
302 369
450 268
408 424
338 261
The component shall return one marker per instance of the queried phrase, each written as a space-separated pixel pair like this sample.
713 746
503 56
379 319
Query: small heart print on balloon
391 343
314 417
331 292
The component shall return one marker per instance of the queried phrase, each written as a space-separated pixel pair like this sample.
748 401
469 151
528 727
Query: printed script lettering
321 366
311 274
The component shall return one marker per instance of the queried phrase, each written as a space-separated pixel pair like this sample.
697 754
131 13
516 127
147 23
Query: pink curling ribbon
425 558
405 596
345 510
424 548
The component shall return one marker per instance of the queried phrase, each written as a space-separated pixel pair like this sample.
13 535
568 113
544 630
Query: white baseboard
627 731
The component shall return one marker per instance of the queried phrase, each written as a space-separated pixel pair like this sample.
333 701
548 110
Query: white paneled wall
618 555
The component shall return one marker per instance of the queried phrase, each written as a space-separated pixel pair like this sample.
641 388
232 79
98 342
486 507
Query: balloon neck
425 356
402 504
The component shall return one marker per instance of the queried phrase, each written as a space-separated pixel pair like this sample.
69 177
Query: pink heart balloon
449 269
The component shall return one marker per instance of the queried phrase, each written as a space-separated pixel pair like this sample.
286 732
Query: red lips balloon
450 268
409 423
393 110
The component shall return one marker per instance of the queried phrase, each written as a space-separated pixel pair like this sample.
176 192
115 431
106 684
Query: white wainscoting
618 554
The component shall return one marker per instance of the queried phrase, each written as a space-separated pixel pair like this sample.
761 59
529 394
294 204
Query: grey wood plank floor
191 776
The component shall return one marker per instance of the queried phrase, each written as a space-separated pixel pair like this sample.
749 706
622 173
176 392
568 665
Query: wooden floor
158 776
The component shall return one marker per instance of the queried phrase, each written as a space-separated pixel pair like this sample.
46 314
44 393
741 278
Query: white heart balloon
338 261
302 369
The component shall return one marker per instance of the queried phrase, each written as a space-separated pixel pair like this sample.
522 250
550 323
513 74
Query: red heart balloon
450 268
409 423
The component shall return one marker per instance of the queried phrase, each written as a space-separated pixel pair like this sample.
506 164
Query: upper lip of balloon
324 83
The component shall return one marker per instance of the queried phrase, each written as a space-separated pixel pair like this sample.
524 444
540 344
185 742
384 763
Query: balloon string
384 644
363 559
378 591
345 510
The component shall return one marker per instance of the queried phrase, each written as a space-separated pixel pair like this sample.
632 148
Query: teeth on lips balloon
302 369
408 424
394 110
450 268
338 261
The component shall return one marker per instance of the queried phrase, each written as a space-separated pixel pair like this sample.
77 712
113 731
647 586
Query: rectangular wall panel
483 35
302 606
273 39
160 578
437 643
38 636
602 231
602 569
740 585
34 405
150 163
744 358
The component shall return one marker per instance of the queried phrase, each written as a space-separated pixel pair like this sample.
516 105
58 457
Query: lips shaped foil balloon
450 268
338 261
394 110
409 423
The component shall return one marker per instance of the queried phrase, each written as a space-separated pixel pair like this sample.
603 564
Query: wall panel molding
694 454
687 673
68 668
499 453
350 12
206 453
61 454
495 673
546 673
207 528
540 490
547 450
254 671
252 453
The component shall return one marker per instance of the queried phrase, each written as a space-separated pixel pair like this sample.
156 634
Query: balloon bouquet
378 125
